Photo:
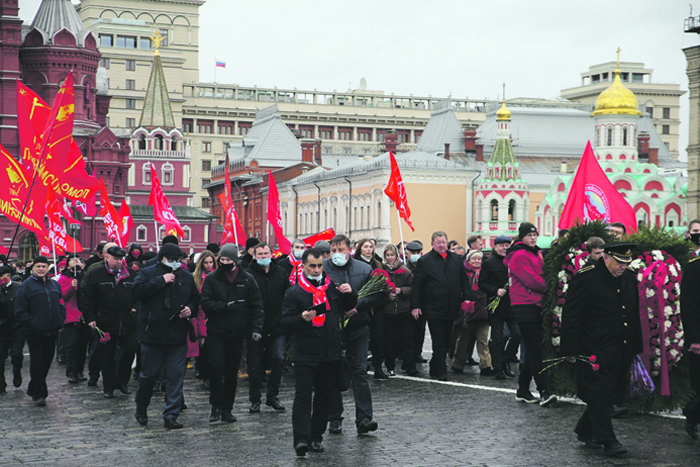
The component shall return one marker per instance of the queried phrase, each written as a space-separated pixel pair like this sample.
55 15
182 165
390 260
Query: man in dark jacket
440 285
165 295
601 319
273 282
11 334
247 258
313 308
233 305
350 275
690 315
494 281
38 309
414 251
107 305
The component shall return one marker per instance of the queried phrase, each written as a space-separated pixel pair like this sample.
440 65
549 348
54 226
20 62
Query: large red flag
162 212
88 208
15 186
593 197
396 192
323 235
231 221
63 166
274 217
110 217
127 222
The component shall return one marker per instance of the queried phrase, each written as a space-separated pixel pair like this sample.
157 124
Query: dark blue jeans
274 345
356 354
13 346
156 359
77 337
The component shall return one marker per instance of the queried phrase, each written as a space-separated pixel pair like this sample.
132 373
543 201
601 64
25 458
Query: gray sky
465 48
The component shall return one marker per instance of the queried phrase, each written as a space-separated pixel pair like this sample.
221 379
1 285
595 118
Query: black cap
526 228
170 250
415 245
251 242
40 259
621 251
116 252
213 247
172 239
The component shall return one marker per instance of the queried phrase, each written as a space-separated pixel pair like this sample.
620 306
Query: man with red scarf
312 310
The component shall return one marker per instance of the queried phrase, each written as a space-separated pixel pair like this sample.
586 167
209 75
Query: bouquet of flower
571 359
493 304
379 281
104 336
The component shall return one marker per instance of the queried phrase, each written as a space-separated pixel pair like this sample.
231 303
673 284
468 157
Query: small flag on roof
220 64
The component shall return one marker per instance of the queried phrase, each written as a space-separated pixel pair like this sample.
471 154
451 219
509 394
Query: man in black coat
273 282
440 285
11 334
165 295
601 319
313 308
690 315
107 305
233 305
494 280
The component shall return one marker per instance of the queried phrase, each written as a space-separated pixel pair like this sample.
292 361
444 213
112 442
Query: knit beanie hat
229 251
41 259
474 253
251 242
526 228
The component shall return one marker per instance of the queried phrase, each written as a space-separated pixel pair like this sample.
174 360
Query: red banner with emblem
162 212
110 217
16 183
274 217
57 234
127 222
396 191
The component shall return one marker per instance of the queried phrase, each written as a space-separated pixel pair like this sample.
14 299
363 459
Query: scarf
319 296
297 269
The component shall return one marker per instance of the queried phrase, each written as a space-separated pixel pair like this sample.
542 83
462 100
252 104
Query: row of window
129 65
142 233
361 219
132 42
665 112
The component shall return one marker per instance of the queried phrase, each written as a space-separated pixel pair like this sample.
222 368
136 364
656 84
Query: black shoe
275 404
691 429
82 377
412 372
507 371
420 359
61 360
459 371
336 427
441 378
255 407
488 371
3 389
588 440
618 410
378 374
526 397
141 416
72 378
546 398
366 425
92 382
124 389
472 362
17 377
109 394
500 374
614 448
227 416
40 402
301 448
172 424
215 415
316 446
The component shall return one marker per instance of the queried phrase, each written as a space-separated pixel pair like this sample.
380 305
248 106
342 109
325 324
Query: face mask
314 278
175 265
264 262
415 258
695 238
78 270
298 253
135 253
4 281
339 259
226 267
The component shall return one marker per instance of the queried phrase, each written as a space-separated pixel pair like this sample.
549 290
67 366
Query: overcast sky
463 48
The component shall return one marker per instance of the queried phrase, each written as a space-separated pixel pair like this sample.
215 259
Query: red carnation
106 338
592 359
398 271
596 367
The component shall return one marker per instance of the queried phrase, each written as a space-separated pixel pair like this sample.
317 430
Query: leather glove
256 336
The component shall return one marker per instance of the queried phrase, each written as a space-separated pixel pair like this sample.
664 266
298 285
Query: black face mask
695 238
78 270
226 267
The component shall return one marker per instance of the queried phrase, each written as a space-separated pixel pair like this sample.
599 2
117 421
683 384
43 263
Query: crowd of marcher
319 313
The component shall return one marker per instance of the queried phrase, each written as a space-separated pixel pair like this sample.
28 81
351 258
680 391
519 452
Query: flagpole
55 265
156 224
403 250
235 228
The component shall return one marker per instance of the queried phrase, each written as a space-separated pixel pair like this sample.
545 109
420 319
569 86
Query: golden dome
616 100
503 113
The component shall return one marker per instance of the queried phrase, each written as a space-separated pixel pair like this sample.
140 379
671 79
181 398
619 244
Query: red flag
396 192
230 221
593 197
15 193
324 235
113 223
63 166
67 213
57 234
127 222
274 217
162 212
88 208
46 247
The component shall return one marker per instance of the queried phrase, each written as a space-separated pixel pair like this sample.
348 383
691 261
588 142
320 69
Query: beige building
660 101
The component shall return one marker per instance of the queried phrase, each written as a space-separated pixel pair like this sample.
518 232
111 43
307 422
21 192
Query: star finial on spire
618 58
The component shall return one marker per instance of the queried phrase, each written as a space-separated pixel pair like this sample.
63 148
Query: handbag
639 383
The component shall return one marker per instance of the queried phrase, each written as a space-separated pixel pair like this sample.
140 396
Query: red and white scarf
297 269
319 296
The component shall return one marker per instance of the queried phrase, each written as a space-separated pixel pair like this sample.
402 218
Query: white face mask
314 278
339 259
415 258
175 265
298 253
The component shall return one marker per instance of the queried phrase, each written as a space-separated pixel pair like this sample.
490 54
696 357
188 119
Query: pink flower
596 367
592 359
398 271
560 301
105 338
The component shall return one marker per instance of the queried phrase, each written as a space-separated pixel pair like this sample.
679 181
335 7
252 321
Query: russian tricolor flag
220 64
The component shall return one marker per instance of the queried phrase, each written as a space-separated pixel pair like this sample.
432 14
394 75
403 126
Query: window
624 136
206 202
126 42
610 134
666 113
206 166
146 174
131 103
511 210
205 182
244 128
306 131
142 142
164 35
145 43
665 129
206 146
104 63
650 111
187 126
131 123
225 128
325 132
416 135
107 121
494 210
364 134
130 84
205 127
167 173
345 134
131 65
141 232
106 40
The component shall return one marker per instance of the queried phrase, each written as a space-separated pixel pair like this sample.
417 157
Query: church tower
502 199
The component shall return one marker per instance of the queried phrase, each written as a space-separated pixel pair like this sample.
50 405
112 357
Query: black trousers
419 335
14 347
77 339
224 359
440 330
41 352
531 333
596 422
310 416
116 370
496 345
376 338
692 408
398 340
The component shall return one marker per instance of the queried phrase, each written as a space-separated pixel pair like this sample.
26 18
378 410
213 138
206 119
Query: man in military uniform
601 319
690 315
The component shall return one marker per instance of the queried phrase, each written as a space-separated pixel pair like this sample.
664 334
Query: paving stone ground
467 421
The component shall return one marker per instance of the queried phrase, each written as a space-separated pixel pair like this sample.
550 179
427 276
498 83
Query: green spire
157 111
502 156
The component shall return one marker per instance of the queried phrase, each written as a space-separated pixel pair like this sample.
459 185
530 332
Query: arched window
174 144
511 210
494 210
146 174
369 215
188 234
142 142
610 136
479 207
624 136
28 247
167 174
141 233
159 142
